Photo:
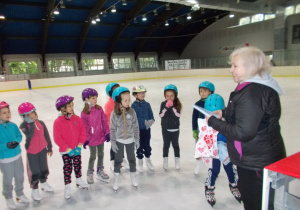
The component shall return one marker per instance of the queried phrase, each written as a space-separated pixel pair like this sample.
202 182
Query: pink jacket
68 133
108 108
95 125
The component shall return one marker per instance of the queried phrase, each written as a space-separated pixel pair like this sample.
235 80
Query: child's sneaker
90 177
102 176
46 187
235 191
210 195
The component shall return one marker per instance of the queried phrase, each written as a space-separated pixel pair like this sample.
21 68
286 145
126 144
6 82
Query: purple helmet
63 100
26 108
86 93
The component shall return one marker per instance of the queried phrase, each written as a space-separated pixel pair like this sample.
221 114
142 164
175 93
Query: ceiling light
166 23
231 15
124 3
189 16
94 21
195 7
97 18
2 17
56 11
113 9
168 6
144 18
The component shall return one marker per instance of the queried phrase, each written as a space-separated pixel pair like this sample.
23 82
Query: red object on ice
288 166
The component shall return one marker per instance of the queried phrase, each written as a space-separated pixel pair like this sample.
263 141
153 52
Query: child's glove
86 143
107 137
169 103
137 144
148 123
77 150
195 134
114 146
70 152
12 144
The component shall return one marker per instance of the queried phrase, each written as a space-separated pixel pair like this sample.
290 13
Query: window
244 20
257 18
93 64
122 63
298 8
61 65
23 67
147 62
289 10
269 16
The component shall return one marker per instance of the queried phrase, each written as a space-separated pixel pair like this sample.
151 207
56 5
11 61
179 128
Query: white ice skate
102 176
46 187
165 165
81 184
140 165
134 179
112 165
11 204
177 163
35 194
22 199
90 177
149 164
197 167
125 164
67 191
116 181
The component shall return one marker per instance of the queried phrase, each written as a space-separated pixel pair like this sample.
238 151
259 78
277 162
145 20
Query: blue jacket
9 132
143 112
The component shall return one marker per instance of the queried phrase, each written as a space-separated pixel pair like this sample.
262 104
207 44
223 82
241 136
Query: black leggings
169 137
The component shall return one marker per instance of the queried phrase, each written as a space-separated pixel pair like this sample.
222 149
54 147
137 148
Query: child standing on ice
38 145
97 132
124 131
11 163
69 135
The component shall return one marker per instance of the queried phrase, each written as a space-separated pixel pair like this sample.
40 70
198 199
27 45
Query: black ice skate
235 192
210 195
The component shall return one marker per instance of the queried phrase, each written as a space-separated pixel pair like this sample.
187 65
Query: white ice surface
161 190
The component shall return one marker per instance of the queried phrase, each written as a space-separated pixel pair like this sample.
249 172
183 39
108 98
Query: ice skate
67 191
197 167
90 177
125 164
112 165
46 187
210 195
235 192
133 178
165 164
177 163
102 176
81 184
140 165
149 164
11 204
116 181
22 199
35 194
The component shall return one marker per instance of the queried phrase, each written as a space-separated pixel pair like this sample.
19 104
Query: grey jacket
120 131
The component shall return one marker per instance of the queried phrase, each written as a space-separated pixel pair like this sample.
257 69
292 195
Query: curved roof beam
94 11
131 15
49 9
180 27
162 17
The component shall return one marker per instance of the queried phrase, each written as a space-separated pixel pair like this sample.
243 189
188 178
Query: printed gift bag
206 146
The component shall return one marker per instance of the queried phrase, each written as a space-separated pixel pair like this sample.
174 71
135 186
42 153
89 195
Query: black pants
250 184
145 148
169 137
37 168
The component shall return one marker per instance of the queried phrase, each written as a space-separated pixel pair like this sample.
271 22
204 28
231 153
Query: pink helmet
3 104
26 108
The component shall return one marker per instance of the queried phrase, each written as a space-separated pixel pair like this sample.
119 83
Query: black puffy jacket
252 117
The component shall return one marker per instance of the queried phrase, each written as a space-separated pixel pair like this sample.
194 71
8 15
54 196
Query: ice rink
159 190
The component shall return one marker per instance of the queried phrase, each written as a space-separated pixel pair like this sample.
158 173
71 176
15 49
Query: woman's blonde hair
254 60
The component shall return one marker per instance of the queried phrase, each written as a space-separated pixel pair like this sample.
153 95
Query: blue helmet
116 94
208 85
109 88
214 102
171 87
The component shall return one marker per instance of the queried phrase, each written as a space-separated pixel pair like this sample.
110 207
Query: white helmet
138 89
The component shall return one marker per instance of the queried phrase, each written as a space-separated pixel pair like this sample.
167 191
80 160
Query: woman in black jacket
252 122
